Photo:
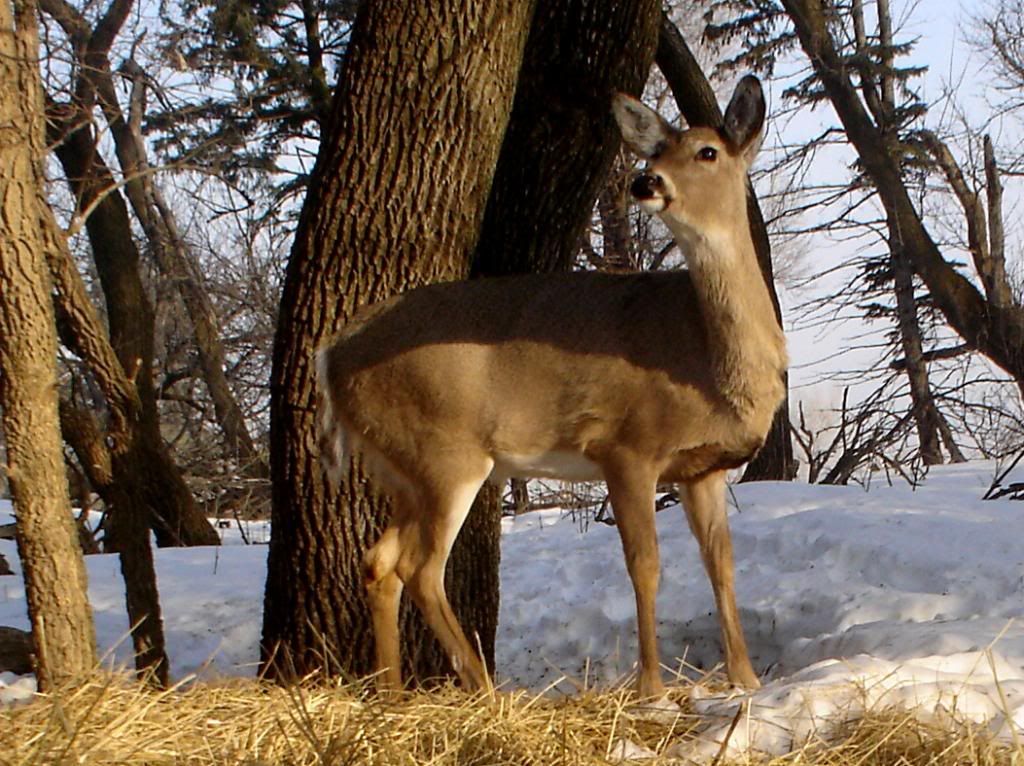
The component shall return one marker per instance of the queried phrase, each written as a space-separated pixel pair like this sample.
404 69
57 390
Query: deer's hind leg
384 592
425 534
704 502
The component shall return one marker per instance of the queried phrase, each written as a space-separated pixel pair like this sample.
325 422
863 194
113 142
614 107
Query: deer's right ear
643 129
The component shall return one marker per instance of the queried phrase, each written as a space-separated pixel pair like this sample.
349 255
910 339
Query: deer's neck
746 343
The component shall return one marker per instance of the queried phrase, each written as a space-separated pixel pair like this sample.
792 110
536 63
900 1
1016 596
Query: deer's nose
645 186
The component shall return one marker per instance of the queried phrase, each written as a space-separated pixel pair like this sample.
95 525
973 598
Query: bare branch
933 356
996 286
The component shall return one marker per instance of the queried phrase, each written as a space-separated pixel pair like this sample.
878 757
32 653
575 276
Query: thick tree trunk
55 581
396 200
562 138
699 106
554 159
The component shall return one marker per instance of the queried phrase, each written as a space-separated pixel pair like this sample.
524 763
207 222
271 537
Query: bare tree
105 213
879 89
991 319
877 94
855 441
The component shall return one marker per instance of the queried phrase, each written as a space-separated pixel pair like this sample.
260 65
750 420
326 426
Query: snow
850 600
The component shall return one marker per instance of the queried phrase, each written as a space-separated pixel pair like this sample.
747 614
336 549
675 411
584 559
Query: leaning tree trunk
699 105
993 327
176 261
396 200
55 581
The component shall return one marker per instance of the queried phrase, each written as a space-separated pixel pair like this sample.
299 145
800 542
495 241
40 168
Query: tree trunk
923 408
396 200
143 488
775 460
176 262
55 580
520 496
618 244
562 138
699 106
555 157
135 554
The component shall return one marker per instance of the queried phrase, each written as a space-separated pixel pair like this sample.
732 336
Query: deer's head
693 176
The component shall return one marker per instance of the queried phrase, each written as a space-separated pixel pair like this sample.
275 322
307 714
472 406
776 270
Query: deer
634 379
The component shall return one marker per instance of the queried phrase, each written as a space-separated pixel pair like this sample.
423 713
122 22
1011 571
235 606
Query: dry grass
109 719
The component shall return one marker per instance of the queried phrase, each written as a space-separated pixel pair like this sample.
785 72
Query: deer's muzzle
646 186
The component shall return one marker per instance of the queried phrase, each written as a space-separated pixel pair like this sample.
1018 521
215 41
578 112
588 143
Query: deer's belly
568 466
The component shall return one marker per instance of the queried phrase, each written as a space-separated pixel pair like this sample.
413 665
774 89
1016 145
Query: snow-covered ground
849 599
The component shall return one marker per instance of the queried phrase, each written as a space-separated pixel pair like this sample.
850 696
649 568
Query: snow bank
851 600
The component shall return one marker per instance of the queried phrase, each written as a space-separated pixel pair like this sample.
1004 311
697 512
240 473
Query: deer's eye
708 154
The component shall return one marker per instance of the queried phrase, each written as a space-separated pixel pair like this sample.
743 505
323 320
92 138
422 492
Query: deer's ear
744 117
643 129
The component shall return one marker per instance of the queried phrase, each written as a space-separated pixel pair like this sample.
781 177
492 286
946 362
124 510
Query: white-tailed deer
634 379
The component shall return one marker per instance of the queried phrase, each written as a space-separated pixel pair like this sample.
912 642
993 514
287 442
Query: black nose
645 186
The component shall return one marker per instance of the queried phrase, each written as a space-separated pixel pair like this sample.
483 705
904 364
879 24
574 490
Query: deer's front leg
704 502
631 488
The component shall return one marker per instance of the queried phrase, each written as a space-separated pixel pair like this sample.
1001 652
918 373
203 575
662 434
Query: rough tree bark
396 200
699 106
561 140
553 160
55 581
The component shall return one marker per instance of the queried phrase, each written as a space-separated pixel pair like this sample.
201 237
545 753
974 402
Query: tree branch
997 285
935 355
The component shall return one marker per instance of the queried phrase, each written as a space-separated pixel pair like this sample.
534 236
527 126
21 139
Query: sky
850 600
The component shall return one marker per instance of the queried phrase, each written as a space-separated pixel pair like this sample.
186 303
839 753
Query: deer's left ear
744 117
643 129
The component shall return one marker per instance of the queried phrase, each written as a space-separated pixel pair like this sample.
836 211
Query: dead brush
111 719
897 737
